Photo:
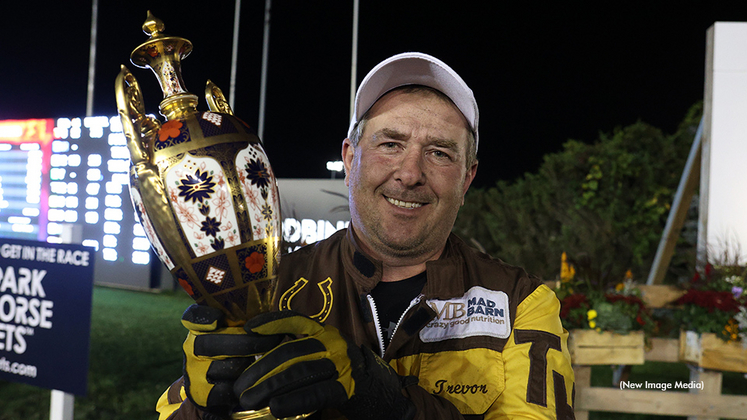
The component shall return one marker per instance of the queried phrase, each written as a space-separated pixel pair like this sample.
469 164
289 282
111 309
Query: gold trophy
202 188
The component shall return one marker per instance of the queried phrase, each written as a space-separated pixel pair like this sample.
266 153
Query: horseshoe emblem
325 287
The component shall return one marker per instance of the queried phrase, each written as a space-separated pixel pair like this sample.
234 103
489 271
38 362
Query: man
401 319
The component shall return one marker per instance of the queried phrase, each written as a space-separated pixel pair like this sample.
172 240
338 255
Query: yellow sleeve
171 400
537 366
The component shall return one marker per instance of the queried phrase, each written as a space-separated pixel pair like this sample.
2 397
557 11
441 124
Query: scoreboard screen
66 180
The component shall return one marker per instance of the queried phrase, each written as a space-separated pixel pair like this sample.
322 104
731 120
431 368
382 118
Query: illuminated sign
24 172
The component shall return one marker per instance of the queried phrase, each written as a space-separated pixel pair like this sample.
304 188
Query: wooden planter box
710 352
589 347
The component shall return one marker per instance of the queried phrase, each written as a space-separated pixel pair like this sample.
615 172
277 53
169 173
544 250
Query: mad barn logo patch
479 312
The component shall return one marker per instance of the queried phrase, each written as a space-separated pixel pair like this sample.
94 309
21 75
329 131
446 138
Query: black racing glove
215 355
322 369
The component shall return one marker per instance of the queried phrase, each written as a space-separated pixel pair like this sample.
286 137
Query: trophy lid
163 54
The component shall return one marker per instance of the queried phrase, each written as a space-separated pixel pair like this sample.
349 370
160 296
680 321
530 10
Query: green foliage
704 320
606 201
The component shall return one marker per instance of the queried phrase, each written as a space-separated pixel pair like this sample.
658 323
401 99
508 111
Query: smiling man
394 317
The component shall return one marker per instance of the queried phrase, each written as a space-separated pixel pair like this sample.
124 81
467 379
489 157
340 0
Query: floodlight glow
335 166
92 217
140 257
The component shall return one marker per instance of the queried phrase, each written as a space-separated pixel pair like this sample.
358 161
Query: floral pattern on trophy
255 175
201 199
172 132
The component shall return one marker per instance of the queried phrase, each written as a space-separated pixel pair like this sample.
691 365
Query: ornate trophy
202 187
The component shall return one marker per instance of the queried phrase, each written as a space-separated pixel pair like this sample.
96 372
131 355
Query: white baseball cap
414 68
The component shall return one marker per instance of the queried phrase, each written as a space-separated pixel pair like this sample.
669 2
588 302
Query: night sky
542 72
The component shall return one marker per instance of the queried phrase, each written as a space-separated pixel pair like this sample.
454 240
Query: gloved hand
215 355
320 370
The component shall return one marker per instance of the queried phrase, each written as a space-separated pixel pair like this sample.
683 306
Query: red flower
571 302
169 130
255 262
710 299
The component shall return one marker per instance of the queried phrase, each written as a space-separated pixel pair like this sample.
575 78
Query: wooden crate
710 352
590 347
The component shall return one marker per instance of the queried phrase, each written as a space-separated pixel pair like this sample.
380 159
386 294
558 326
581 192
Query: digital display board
66 180
25 147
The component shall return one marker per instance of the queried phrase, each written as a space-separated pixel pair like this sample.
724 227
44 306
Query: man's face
408 176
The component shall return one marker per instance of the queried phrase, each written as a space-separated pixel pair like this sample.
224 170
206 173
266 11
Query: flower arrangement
589 304
715 302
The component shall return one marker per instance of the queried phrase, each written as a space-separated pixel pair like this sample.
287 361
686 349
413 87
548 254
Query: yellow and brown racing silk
484 338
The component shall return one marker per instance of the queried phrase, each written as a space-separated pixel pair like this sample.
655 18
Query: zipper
379 333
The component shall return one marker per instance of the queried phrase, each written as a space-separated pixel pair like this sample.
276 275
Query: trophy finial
153 26
163 54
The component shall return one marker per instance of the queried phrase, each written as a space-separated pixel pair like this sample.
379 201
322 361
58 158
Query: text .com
17 368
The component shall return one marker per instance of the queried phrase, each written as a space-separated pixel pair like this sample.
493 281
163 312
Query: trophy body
201 186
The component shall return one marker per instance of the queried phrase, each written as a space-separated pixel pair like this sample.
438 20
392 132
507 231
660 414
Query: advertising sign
45 313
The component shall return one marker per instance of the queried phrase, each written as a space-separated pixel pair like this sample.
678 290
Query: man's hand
321 369
215 355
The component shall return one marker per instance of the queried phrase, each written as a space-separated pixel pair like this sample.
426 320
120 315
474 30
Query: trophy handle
216 100
138 128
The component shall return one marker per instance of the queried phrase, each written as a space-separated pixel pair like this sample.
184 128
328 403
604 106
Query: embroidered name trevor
479 312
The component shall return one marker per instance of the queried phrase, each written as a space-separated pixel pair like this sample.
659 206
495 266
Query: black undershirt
392 299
